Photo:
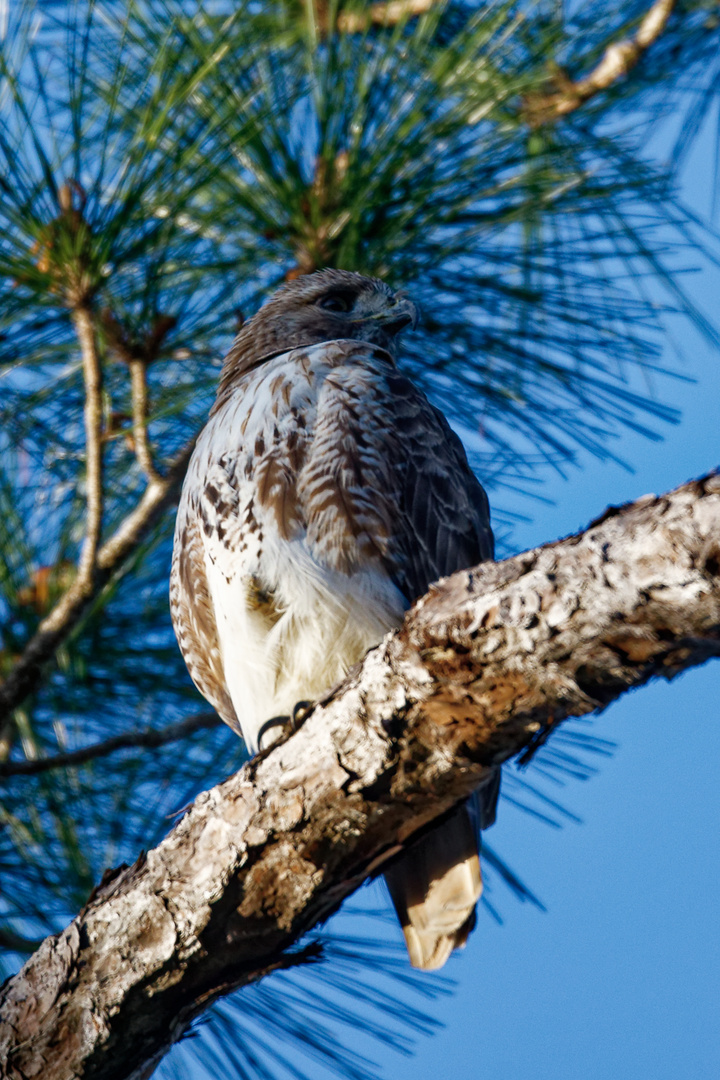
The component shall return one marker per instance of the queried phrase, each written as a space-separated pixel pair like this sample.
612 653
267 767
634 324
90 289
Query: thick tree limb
68 611
483 668
146 740
617 61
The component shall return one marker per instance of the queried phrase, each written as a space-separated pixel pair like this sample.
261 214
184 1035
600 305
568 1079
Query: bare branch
82 586
138 384
483 667
66 614
135 526
149 739
92 373
617 61
138 355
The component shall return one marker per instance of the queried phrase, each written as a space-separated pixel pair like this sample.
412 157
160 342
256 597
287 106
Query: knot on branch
63 248
129 349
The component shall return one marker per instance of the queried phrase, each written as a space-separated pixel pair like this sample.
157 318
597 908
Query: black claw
285 723
300 714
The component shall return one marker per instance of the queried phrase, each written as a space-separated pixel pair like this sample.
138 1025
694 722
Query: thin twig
138 385
617 61
16 942
149 739
56 628
155 498
92 373
138 355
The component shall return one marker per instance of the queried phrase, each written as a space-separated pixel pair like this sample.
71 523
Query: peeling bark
482 669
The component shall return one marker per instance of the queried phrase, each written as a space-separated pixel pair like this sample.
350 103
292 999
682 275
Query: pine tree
165 165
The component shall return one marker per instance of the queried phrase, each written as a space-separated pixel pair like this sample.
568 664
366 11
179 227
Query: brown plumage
325 494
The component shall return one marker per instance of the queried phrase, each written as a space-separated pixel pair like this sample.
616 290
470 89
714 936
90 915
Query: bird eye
335 302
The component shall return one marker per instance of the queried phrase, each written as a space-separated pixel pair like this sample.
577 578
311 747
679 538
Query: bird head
331 304
323 306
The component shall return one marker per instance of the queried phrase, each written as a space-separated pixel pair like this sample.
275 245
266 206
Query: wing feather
407 485
193 616
395 482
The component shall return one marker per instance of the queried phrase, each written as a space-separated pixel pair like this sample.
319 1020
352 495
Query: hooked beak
401 313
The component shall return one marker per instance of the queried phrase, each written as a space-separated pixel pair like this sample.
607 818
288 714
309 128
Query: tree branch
92 375
148 740
58 625
82 587
483 668
138 355
138 387
16 942
617 61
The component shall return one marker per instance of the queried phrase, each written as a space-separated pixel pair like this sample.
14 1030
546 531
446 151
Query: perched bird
324 495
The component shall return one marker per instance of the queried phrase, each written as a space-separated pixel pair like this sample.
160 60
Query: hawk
324 495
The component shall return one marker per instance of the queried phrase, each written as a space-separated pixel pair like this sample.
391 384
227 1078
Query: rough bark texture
482 669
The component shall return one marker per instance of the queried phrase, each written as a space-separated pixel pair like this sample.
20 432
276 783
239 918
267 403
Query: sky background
620 977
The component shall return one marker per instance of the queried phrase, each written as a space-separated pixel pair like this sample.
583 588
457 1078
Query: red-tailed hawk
324 495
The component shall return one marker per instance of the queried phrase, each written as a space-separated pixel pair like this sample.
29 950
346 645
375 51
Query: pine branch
483 668
618 60
147 740
143 453
16 942
137 356
58 625
81 590
94 498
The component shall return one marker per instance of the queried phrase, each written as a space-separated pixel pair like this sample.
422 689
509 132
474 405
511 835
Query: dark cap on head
323 306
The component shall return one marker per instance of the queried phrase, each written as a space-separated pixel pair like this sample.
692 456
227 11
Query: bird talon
273 730
300 714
